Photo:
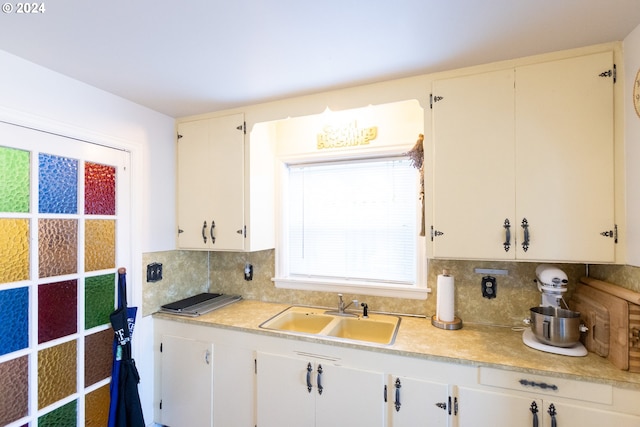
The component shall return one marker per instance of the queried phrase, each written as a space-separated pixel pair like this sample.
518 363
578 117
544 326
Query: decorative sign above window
348 135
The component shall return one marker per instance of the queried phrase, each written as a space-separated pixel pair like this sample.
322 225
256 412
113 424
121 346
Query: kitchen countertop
474 344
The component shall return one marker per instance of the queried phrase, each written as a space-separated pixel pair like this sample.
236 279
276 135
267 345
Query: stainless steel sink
376 328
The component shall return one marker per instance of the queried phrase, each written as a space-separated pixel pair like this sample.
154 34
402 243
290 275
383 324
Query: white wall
56 101
38 97
631 49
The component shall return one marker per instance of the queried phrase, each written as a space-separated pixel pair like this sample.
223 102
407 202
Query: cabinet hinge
610 73
612 233
433 100
179 136
243 127
160 347
161 404
255 366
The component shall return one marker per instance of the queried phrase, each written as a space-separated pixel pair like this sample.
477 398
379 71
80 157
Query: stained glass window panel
97 407
58 185
98 356
15 182
57 310
58 247
14 389
14 320
99 244
14 250
66 416
57 372
99 189
99 299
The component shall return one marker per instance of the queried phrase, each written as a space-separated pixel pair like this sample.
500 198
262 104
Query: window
351 226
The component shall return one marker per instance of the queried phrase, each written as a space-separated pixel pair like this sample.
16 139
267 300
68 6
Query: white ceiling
187 57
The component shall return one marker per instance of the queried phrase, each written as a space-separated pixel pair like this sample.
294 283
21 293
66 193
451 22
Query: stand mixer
552 284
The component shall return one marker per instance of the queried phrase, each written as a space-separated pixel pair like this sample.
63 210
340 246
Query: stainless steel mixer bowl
555 326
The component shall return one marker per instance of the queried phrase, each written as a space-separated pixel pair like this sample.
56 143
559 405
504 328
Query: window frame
283 280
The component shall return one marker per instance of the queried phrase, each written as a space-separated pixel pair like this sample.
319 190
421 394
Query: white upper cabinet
218 208
524 163
565 159
474 168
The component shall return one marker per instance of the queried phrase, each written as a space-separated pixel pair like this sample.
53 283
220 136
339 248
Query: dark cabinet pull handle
525 242
552 413
204 230
507 232
543 386
309 369
397 401
320 388
213 238
534 411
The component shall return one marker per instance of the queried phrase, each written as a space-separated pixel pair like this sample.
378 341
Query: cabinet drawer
558 387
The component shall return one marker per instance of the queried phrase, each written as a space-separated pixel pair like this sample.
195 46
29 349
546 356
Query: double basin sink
375 328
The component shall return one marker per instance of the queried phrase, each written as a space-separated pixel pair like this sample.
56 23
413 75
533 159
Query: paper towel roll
445 307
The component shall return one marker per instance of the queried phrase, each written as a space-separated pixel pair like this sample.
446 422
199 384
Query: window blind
353 220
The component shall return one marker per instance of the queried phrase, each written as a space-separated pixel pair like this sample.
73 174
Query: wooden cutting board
618 309
595 316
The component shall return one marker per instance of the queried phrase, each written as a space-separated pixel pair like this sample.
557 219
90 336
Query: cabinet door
304 392
584 416
194 206
564 159
350 397
186 382
416 402
211 183
474 177
283 398
479 408
233 380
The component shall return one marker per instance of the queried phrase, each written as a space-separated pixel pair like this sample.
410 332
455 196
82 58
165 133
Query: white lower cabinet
186 386
481 408
315 391
418 402
208 376
516 399
204 377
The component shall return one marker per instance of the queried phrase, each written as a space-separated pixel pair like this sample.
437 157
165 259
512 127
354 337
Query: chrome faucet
342 308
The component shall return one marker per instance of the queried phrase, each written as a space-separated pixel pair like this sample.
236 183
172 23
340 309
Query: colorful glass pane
58 184
97 407
14 250
58 247
14 389
99 244
57 310
57 371
99 189
66 415
98 356
99 299
14 184
14 320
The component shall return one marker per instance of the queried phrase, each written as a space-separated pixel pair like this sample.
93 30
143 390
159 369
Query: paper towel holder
455 324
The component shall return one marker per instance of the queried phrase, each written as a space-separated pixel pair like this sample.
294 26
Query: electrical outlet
489 287
154 272
248 272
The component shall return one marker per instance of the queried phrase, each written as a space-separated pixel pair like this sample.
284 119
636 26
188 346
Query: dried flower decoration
416 154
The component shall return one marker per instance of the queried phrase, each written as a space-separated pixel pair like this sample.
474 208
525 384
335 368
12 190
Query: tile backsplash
187 273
